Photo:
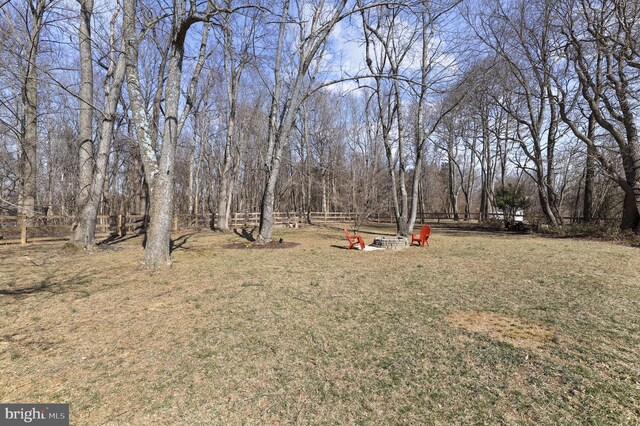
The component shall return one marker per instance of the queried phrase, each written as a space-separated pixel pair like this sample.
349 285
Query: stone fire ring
391 243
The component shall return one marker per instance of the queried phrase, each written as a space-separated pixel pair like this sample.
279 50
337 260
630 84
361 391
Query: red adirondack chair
353 240
423 238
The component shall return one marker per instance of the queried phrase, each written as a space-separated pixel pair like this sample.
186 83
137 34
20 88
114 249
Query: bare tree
313 33
423 128
459 144
235 47
388 45
34 19
159 172
604 51
521 34
85 98
94 179
386 51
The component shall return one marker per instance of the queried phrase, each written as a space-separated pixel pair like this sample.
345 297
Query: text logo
34 414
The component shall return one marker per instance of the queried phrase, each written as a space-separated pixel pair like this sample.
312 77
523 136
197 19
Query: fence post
120 230
23 230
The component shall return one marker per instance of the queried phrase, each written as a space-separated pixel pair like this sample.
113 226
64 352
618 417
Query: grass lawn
478 328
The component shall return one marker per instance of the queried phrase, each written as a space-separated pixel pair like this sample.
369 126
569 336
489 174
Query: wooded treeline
153 107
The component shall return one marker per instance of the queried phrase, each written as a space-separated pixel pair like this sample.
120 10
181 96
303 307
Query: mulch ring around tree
256 246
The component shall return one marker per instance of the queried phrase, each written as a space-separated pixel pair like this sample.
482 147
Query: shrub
510 199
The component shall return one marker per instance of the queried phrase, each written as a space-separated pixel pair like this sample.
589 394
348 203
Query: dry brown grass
317 334
517 331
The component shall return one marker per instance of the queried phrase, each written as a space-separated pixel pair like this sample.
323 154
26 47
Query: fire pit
391 243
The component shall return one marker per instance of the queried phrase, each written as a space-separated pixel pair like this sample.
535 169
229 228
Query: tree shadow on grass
51 285
246 234
115 239
180 242
175 244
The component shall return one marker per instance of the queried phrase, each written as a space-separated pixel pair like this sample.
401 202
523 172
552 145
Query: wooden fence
19 229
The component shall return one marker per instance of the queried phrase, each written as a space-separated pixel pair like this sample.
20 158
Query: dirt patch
517 331
256 246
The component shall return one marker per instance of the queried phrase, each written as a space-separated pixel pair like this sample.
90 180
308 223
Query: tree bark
589 174
630 214
158 237
84 234
91 181
234 63
404 196
29 128
272 161
485 166
452 189
85 99
160 173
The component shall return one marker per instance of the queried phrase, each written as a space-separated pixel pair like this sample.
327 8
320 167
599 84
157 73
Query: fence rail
20 229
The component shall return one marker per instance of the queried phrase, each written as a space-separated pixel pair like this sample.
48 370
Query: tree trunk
589 173
230 193
29 128
546 207
272 161
550 180
323 180
392 177
160 174
222 224
85 119
486 174
630 214
453 186
417 178
158 249
196 201
90 186
84 234
282 114
404 196
191 194
225 175
268 201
